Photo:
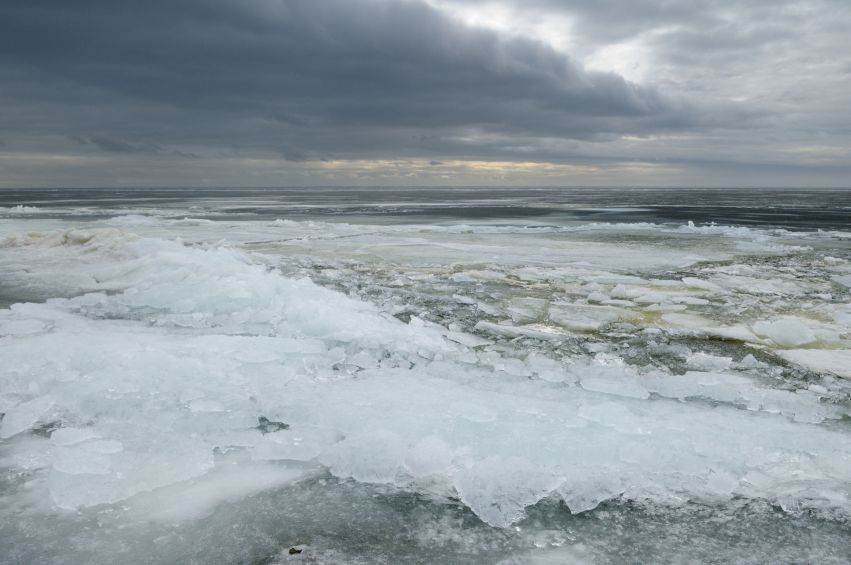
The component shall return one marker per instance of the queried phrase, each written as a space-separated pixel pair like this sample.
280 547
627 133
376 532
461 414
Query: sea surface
442 375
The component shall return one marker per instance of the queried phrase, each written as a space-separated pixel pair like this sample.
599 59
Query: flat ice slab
834 361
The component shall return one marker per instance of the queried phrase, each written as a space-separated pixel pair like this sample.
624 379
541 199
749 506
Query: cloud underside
306 89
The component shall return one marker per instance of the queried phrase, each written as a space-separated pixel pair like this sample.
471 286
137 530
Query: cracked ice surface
158 368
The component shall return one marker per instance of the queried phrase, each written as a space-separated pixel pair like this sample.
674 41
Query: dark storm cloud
152 91
303 78
120 146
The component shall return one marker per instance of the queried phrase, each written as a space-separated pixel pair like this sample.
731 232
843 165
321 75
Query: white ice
163 381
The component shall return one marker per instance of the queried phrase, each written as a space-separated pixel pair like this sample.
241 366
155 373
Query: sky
425 92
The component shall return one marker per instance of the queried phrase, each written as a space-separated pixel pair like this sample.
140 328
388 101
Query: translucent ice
173 367
833 361
788 332
25 415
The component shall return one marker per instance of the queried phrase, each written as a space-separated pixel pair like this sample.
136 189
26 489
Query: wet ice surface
374 389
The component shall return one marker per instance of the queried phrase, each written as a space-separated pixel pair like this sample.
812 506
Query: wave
20 209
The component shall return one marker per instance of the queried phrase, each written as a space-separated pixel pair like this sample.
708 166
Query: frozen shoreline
502 366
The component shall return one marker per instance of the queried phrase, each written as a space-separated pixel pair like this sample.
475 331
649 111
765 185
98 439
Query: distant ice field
431 375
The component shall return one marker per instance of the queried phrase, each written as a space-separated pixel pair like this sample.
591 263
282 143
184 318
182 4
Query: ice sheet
181 355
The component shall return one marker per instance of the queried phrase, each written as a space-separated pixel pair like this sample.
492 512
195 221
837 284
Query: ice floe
174 367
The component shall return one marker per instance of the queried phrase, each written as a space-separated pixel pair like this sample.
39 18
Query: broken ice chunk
430 456
87 457
301 444
786 332
23 416
582 317
71 436
371 458
525 309
619 387
548 369
75 461
706 362
834 361
534 331
585 488
498 489
466 339
612 415
21 327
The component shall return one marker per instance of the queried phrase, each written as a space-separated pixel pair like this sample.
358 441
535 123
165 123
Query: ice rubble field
174 375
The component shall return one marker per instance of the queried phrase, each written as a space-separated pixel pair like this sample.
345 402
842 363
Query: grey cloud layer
310 67
304 80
